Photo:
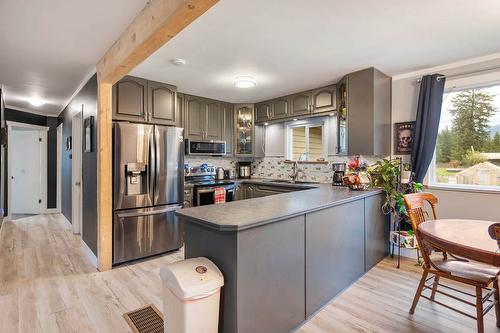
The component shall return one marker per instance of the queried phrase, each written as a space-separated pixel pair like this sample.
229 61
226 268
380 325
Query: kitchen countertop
249 213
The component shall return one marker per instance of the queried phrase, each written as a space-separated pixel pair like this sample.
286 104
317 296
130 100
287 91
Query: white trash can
191 296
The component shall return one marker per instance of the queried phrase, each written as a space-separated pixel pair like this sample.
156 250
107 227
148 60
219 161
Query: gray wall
87 97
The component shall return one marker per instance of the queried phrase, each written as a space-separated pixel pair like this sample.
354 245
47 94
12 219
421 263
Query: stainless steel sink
286 181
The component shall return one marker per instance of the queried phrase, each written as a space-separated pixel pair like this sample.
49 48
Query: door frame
76 172
59 167
43 164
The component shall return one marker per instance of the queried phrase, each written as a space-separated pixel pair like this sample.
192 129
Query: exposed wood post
156 24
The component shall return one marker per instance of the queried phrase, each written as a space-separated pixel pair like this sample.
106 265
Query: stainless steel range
200 184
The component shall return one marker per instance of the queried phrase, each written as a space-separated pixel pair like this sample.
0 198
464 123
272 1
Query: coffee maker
244 170
338 174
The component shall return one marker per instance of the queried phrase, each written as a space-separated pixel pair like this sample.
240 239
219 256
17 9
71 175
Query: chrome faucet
295 172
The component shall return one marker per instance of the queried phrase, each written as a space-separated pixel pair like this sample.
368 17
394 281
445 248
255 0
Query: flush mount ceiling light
35 101
244 82
178 62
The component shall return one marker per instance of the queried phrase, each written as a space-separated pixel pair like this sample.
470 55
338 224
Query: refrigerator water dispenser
136 176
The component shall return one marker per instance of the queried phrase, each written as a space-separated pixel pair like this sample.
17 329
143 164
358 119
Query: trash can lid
192 278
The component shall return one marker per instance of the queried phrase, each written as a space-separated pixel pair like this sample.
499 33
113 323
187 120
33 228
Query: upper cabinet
244 129
204 118
130 99
324 99
228 127
365 113
140 100
161 104
317 101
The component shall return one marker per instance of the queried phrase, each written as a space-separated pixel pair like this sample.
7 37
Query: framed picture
404 137
68 143
88 129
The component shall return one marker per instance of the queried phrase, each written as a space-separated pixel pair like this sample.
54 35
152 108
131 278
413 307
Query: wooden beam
156 24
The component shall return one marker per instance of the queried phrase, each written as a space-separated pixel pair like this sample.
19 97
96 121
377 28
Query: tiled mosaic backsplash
276 168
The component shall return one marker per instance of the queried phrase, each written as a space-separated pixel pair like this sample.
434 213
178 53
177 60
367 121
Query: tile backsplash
276 168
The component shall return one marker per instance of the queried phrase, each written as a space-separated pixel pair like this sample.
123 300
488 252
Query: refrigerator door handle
157 139
152 167
152 212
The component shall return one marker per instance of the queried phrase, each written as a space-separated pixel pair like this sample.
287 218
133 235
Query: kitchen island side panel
335 252
271 277
221 248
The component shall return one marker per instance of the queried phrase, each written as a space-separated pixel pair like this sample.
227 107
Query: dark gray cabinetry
262 112
377 227
140 100
368 112
180 110
214 120
195 117
334 252
204 118
162 104
254 279
300 104
279 108
324 99
130 99
228 127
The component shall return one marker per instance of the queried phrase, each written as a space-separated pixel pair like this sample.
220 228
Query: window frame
307 123
430 179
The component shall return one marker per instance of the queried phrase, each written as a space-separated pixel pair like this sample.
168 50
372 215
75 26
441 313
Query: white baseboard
52 211
88 252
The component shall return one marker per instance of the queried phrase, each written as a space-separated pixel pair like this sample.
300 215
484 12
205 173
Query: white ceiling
48 47
291 45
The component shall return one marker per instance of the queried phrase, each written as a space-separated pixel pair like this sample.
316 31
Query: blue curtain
430 100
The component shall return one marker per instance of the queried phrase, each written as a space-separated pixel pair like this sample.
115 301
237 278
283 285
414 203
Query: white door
26 171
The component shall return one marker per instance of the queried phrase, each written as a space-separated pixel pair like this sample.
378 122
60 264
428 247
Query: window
468 144
307 140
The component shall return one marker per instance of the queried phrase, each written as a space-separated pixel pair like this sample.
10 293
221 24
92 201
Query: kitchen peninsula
319 239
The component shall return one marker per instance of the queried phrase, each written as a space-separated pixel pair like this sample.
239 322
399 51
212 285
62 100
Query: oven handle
152 212
205 190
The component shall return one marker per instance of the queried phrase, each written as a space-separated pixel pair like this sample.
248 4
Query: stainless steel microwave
205 147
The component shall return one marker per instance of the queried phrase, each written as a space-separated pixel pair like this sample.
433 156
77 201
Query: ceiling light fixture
244 82
35 101
178 62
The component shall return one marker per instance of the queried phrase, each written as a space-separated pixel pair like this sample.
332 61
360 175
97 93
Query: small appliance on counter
219 173
244 170
229 174
338 174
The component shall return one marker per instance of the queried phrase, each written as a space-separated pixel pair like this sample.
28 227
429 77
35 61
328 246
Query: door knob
77 183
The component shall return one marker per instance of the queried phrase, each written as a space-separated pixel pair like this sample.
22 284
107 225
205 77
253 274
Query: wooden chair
475 274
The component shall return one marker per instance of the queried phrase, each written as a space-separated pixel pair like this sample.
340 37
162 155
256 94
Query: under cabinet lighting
295 119
244 82
265 124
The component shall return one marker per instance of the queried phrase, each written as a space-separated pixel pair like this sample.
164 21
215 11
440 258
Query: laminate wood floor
47 284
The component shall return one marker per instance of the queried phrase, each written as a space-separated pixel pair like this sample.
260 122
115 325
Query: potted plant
386 174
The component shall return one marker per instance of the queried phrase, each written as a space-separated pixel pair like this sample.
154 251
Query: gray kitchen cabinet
300 104
367 113
275 140
214 120
334 252
279 108
195 117
377 228
228 127
262 112
180 110
324 99
244 130
162 104
259 149
130 99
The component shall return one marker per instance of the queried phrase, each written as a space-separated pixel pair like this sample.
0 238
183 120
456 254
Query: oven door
205 195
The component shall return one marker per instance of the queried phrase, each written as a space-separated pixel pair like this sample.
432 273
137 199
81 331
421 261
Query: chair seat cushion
470 270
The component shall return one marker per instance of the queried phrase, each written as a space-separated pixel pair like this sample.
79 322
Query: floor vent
145 320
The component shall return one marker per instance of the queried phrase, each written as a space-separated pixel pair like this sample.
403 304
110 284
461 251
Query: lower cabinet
334 252
377 228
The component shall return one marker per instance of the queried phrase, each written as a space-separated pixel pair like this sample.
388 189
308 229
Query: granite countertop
249 213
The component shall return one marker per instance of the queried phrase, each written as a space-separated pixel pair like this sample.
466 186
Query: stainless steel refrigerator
148 187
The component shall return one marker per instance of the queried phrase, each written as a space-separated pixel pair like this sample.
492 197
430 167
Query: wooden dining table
464 238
